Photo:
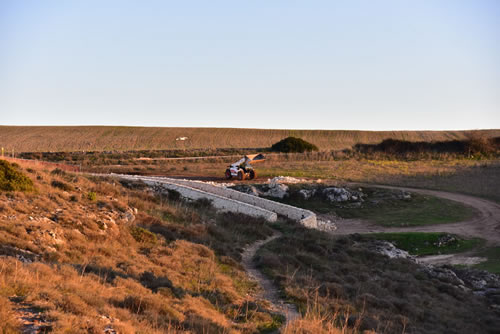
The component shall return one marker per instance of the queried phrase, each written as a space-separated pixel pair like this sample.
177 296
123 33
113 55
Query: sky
353 64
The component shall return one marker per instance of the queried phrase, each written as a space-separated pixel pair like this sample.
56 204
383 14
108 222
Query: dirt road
485 225
270 291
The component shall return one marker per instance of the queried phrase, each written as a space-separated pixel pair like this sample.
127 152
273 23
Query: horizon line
242 128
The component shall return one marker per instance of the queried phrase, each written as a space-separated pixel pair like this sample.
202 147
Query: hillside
76 256
83 254
105 138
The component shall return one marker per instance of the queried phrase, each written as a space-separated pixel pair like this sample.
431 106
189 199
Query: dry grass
90 263
316 320
103 138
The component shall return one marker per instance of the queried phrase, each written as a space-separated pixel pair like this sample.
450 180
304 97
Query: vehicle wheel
253 175
228 174
241 175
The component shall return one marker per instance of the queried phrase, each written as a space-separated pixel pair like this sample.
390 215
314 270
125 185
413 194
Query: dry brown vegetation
339 282
106 138
91 262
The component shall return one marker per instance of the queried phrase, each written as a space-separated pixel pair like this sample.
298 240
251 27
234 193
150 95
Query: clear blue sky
426 64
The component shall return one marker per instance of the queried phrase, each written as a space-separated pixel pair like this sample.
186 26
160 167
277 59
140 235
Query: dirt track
270 291
485 225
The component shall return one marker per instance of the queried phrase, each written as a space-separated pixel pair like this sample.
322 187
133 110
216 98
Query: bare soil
269 290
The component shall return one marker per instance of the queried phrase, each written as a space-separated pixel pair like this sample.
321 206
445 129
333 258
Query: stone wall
305 217
219 202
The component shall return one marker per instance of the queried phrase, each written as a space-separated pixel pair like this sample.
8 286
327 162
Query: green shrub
13 180
293 145
92 196
58 171
142 235
61 185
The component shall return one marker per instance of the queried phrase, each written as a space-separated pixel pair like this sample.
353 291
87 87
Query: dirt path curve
485 225
269 290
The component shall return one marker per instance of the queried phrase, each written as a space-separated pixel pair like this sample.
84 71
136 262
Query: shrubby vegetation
132 260
343 276
293 145
473 147
12 179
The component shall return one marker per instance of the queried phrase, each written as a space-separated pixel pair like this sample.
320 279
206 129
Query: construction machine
242 169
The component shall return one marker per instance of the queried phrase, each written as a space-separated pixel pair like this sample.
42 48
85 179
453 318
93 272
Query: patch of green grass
421 243
493 263
383 207
419 210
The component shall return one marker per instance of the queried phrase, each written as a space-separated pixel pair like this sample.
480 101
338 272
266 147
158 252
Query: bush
469 147
92 196
142 235
58 171
61 185
12 179
293 145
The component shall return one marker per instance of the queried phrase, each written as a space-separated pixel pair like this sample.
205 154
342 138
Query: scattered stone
326 225
480 282
444 274
22 255
404 195
445 240
277 190
285 179
128 216
307 193
388 249
336 194
30 317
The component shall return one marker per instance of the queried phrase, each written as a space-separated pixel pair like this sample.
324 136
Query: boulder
388 249
307 193
277 190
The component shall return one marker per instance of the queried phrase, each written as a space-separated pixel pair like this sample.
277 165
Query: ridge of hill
121 138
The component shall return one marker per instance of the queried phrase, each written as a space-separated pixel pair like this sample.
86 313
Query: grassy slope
98 138
92 258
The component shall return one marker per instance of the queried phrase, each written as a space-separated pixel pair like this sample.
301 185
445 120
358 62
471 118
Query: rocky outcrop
388 249
338 194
